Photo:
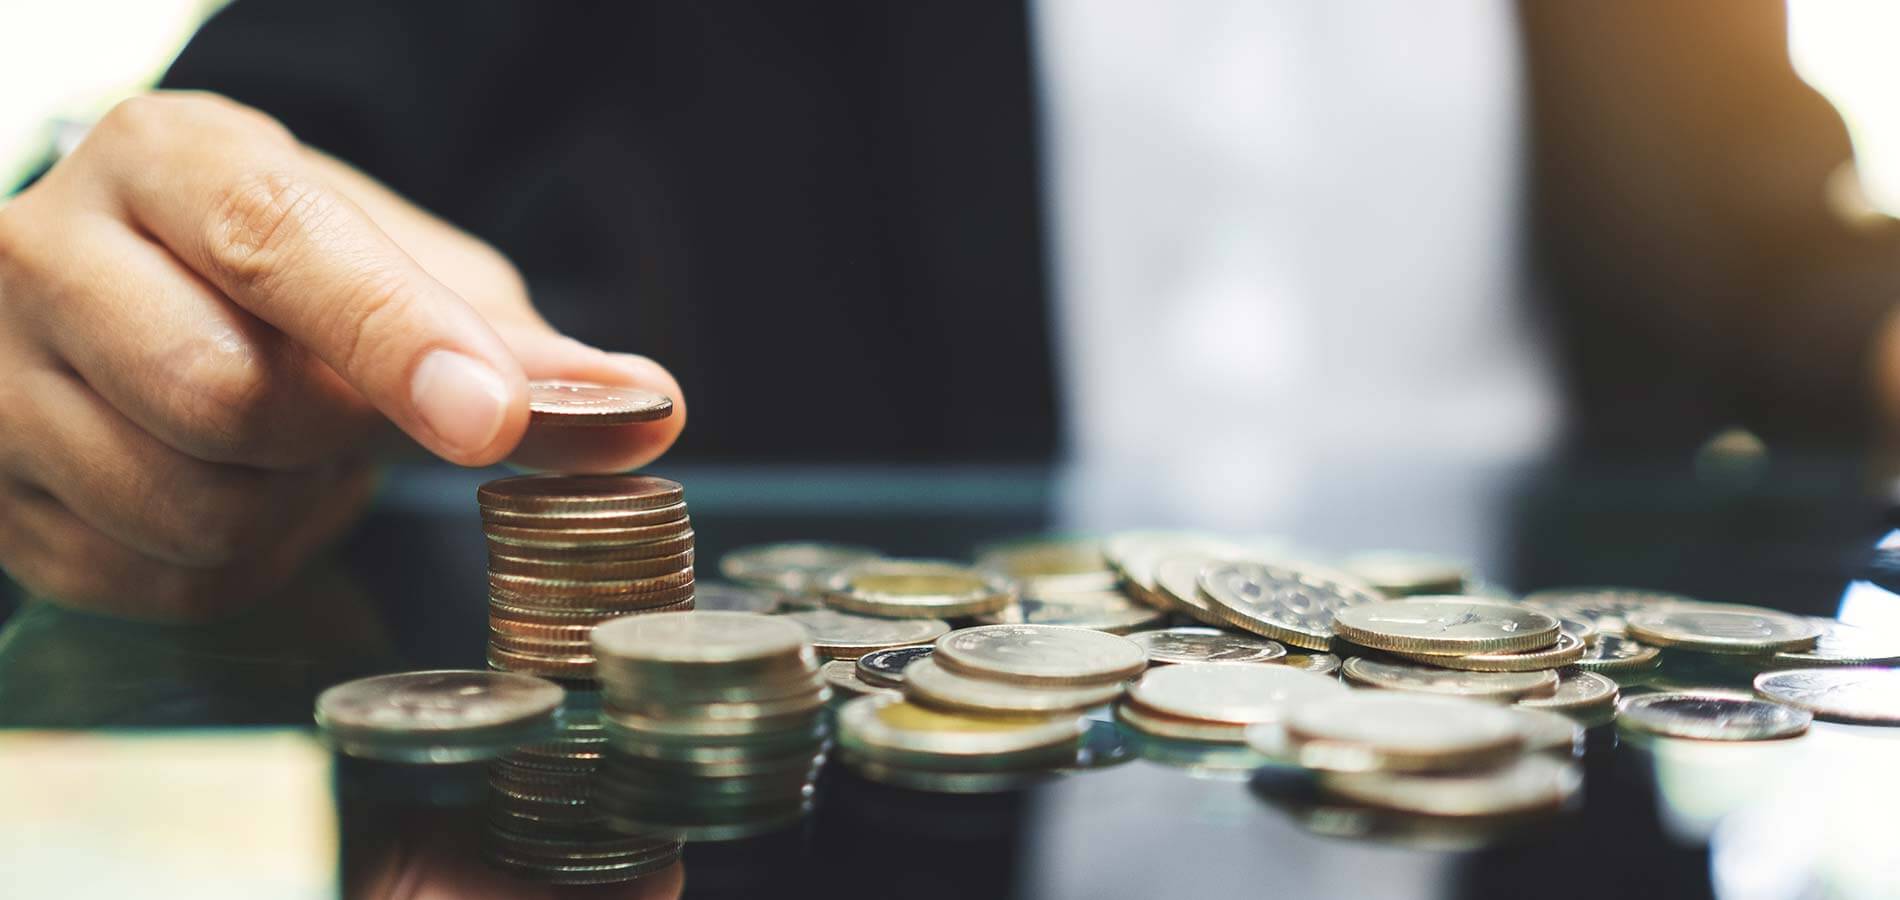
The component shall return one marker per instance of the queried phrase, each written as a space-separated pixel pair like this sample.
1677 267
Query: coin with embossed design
1567 650
1711 716
1499 686
1578 693
840 635
1722 629
1866 695
1446 625
1611 653
1295 605
1192 645
1841 644
1604 607
1040 654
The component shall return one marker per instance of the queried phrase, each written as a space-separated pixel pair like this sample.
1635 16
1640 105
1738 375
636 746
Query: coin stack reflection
715 723
567 552
543 824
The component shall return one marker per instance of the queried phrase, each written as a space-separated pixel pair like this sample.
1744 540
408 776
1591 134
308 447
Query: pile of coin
1432 756
542 822
567 552
715 723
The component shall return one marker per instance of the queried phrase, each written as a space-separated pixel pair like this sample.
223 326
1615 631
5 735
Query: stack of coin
1023 670
715 723
1433 756
542 822
888 739
566 553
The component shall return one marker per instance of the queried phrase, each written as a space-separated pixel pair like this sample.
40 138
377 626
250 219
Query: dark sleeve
1680 168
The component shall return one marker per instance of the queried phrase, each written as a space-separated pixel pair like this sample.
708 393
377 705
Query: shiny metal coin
1578 693
839 635
1711 717
1527 784
698 638
1722 629
1567 650
1612 654
567 667
797 567
722 596
1548 732
842 675
1040 654
1293 605
1192 645
1603 607
1175 728
873 724
1869 696
886 667
1397 573
1234 693
1109 611
446 716
1138 554
1446 625
631 532
1498 686
1841 644
1177 579
1316 663
1372 731
917 589
579 495
559 402
932 685
1579 629
503 567
1044 566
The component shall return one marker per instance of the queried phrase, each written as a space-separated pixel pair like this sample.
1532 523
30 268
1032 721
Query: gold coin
1722 629
932 685
1291 604
1316 663
568 403
1497 686
874 725
917 589
1446 625
1053 655
1234 693
1376 731
840 635
1567 650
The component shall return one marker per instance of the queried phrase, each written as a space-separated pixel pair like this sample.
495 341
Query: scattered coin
1040 654
797 567
886 667
721 596
1043 566
1612 654
1567 650
1865 695
436 716
1499 686
1234 693
1841 644
1316 663
1577 628
1108 611
1603 607
1177 581
842 675
1446 625
1138 554
1292 605
1527 784
1578 693
1722 629
1711 717
1391 732
1176 728
897 731
1192 645
1398 573
928 683
916 588
558 402
838 635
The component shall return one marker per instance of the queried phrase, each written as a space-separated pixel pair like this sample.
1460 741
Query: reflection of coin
1502 686
1849 695
1447 625
1567 650
1722 629
917 588
933 685
1841 644
1191 645
1108 611
438 703
1294 605
557 402
1530 783
846 636
1236 693
798 567
1577 693
886 667
1040 654
1711 717
1604 607
1611 653
1372 731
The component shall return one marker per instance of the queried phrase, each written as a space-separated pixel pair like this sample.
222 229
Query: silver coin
841 635
1579 629
1040 654
879 723
1398 573
1235 693
1722 629
440 702
1612 653
1866 695
1044 566
1711 717
1527 784
1175 728
1500 686
1177 578
1108 611
1388 731
697 637
1603 607
1191 645
1577 692
1566 651
721 596
886 667
842 675
1548 732
1841 644
935 686
917 588
1316 663
1294 605
796 567
1447 625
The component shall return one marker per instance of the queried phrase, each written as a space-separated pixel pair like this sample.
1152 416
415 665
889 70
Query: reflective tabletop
180 759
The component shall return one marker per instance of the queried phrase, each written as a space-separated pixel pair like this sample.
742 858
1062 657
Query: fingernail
463 401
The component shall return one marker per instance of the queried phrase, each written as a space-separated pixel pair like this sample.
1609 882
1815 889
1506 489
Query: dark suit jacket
824 216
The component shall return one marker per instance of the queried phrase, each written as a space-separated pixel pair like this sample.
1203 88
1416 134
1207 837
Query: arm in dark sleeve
1680 167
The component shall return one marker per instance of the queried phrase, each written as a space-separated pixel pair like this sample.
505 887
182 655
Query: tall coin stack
715 724
568 552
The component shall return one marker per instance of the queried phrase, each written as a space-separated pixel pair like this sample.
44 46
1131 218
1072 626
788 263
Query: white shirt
1286 247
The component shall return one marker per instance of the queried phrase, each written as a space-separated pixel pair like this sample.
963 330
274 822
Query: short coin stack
567 552
715 723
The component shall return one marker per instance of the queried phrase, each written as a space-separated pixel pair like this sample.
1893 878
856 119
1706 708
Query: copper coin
579 493
539 646
559 402
532 586
544 631
605 570
619 520
545 666
590 604
666 546
591 616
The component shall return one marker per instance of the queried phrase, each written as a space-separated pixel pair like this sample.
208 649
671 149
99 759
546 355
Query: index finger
232 197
